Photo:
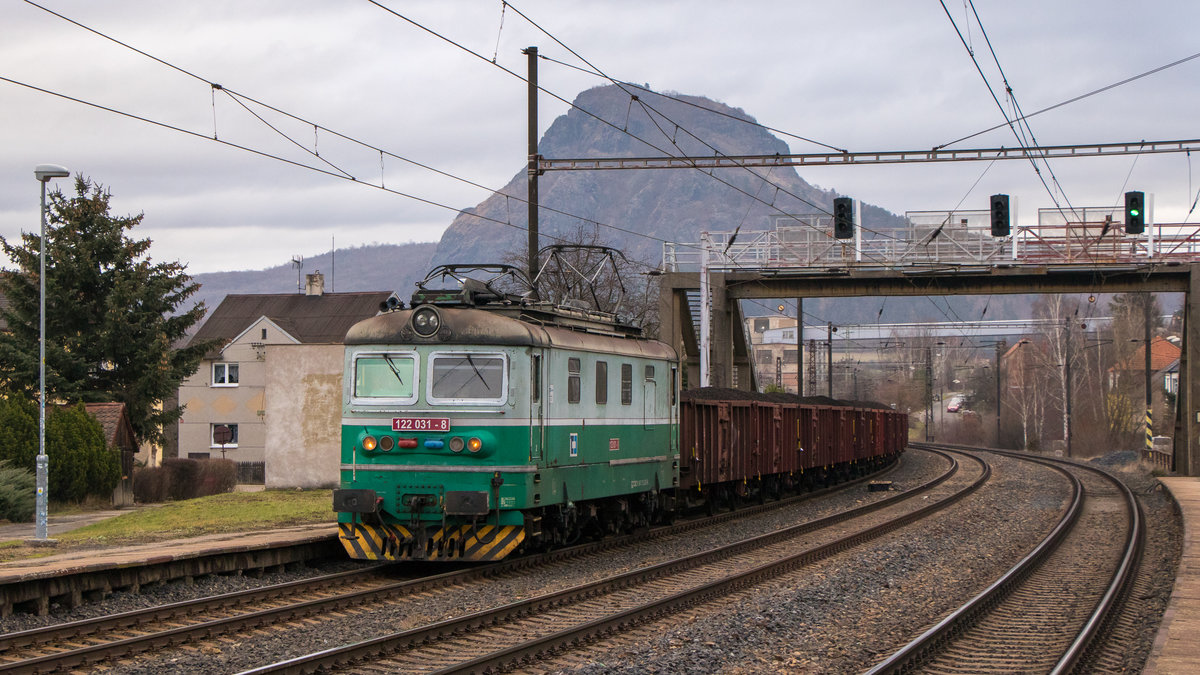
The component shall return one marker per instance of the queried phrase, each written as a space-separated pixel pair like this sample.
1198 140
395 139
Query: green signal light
1134 212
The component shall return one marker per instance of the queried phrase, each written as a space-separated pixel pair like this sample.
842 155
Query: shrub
150 484
216 476
18 432
179 478
16 493
182 477
81 463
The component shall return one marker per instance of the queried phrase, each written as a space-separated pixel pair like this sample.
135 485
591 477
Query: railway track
102 640
526 631
1049 612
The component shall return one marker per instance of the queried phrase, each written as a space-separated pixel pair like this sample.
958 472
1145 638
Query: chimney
314 284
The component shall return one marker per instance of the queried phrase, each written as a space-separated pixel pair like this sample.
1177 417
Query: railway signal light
1001 218
843 218
1135 212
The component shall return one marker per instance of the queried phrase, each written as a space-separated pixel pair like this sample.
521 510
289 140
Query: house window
224 435
225 375
626 384
264 333
601 382
573 385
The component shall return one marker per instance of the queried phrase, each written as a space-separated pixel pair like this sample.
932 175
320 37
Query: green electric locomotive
477 423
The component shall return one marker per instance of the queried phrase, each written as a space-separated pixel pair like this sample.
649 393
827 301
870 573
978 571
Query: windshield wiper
388 360
486 385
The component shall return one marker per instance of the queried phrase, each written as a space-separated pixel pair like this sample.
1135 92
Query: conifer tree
113 314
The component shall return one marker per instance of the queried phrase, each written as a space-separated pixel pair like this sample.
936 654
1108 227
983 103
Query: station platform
1176 648
83 560
72 577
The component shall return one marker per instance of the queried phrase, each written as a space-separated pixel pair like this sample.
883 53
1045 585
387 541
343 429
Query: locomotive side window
649 372
468 377
385 376
573 386
601 382
626 384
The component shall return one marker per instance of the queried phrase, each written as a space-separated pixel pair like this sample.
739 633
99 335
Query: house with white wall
268 396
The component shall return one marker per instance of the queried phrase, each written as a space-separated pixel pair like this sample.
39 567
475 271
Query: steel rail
912 655
98 652
380 646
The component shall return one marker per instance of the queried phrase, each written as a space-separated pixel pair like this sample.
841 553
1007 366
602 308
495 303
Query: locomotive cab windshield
385 377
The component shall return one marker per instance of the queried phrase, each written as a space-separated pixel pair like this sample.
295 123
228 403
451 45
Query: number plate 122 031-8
420 424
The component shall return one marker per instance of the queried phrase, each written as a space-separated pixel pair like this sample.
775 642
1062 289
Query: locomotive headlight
369 443
425 321
456 444
474 445
386 443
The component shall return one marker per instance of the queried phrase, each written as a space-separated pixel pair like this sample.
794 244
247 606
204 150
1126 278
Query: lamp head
44 172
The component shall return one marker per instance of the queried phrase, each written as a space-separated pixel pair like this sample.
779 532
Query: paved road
57 524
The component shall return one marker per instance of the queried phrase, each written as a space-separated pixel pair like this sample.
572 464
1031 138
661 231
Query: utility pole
829 359
999 352
532 54
1146 298
1067 378
929 394
812 366
799 346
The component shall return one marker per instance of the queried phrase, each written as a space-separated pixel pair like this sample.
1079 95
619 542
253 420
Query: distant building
773 343
1164 365
269 396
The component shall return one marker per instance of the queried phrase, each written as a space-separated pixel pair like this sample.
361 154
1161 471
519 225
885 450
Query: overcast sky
865 76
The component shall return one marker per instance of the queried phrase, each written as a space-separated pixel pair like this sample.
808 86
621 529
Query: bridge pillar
721 357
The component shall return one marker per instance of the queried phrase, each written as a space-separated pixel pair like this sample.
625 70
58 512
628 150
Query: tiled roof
117 430
1163 353
319 319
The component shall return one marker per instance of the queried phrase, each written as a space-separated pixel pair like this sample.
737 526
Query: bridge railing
940 238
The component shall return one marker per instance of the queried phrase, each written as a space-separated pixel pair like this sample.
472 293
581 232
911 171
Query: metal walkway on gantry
937 253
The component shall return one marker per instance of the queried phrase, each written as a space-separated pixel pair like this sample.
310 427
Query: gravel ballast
840 615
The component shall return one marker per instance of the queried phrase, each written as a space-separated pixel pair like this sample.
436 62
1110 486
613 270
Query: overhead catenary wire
241 100
711 174
336 172
1014 127
644 105
1074 99
570 103
600 119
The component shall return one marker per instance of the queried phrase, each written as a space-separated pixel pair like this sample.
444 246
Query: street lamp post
43 173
